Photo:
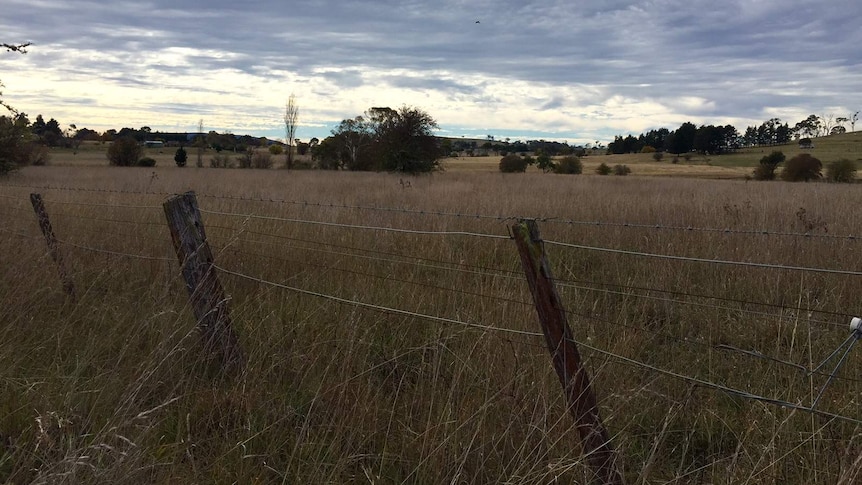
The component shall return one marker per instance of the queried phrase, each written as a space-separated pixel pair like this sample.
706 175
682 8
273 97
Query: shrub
569 164
764 172
512 164
261 159
276 149
648 149
801 168
146 162
543 161
657 156
181 157
768 164
622 170
124 152
842 170
603 169
220 161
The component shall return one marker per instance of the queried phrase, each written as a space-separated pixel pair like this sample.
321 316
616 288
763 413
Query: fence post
53 247
206 294
564 353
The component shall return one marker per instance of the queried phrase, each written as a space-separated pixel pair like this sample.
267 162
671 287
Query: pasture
390 336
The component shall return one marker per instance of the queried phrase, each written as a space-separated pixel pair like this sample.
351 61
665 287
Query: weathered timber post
53 247
564 353
205 292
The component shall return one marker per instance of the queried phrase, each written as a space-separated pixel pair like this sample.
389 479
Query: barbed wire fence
236 232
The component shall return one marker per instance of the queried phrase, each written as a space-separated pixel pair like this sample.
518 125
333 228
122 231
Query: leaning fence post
53 247
206 294
564 353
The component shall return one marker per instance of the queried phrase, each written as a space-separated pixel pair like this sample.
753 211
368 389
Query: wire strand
356 226
706 260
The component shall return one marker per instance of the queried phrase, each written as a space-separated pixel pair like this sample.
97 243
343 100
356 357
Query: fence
601 308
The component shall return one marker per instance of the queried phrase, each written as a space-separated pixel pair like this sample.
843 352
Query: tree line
715 140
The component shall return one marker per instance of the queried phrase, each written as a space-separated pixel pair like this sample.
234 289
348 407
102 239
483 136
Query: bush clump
768 164
622 170
147 162
181 157
569 164
513 164
220 161
801 168
261 159
276 149
842 170
124 152
603 169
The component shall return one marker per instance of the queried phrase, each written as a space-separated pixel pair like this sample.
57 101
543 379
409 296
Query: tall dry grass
114 388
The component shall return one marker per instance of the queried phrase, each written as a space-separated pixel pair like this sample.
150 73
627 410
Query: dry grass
112 390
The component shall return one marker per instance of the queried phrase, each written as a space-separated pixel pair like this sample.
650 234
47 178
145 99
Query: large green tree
399 140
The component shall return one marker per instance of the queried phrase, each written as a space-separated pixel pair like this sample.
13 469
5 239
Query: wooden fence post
205 292
564 353
53 247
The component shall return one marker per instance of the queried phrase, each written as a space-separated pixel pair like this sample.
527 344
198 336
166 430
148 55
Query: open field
732 166
114 388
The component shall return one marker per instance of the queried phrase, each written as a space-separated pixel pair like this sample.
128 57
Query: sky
575 71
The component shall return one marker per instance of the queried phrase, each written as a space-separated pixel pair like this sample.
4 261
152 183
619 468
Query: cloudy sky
569 70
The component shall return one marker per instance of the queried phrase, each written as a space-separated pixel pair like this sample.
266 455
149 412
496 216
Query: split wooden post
53 247
206 294
564 353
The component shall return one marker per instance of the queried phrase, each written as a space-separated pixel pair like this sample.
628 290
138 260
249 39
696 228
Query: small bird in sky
478 22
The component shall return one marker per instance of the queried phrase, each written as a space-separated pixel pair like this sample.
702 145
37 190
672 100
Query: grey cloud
741 57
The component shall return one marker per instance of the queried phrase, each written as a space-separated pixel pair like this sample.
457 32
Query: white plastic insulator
856 324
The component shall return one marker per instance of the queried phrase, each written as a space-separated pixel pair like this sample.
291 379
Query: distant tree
124 152
808 127
768 164
682 140
622 170
16 146
513 164
839 121
109 135
569 164
302 147
657 156
200 143
291 117
405 140
544 162
838 130
853 118
827 123
181 157
351 137
603 169
802 168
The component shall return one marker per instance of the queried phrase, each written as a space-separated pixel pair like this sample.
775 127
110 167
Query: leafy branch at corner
15 149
